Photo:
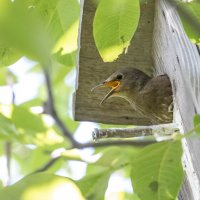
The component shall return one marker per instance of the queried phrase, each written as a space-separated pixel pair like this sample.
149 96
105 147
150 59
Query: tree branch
47 165
155 130
136 143
52 110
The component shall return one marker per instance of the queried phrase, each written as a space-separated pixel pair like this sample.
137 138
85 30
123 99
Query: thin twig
53 112
138 143
155 130
47 165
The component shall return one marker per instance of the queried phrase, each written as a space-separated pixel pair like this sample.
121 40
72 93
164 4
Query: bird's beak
113 84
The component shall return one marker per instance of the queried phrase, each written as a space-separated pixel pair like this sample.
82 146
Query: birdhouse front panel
91 70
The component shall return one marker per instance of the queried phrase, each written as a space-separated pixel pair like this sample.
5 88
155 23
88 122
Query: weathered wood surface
175 55
160 132
92 70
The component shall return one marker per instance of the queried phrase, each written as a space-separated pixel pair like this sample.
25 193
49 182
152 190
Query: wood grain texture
175 55
92 70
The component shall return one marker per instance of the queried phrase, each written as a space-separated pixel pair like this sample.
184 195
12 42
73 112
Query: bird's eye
119 77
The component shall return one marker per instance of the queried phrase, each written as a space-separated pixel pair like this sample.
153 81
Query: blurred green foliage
42 186
191 21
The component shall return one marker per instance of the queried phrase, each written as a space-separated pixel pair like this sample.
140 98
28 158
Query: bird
151 97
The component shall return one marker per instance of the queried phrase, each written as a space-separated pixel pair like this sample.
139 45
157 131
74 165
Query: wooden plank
92 70
175 55
172 53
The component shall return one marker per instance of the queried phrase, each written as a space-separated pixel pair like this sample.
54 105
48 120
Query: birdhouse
159 46
92 70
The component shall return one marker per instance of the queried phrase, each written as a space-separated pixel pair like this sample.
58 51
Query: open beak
113 84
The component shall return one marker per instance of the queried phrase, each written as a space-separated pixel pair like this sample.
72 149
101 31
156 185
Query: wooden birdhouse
92 70
159 46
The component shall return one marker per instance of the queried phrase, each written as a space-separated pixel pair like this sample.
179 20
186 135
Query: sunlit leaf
114 25
62 20
157 172
42 186
22 28
60 16
50 138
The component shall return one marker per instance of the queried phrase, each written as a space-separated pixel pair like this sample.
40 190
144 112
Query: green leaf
24 119
135 197
27 159
131 197
62 19
191 25
22 28
67 20
115 158
8 56
59 73
115 23
7 128
67 60
196 120
42 186
37 29
60 16
197 124
93 186
157 172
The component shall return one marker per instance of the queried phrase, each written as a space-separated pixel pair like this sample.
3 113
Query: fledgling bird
151 97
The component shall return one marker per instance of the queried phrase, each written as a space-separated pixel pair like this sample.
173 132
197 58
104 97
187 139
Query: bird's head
123 82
